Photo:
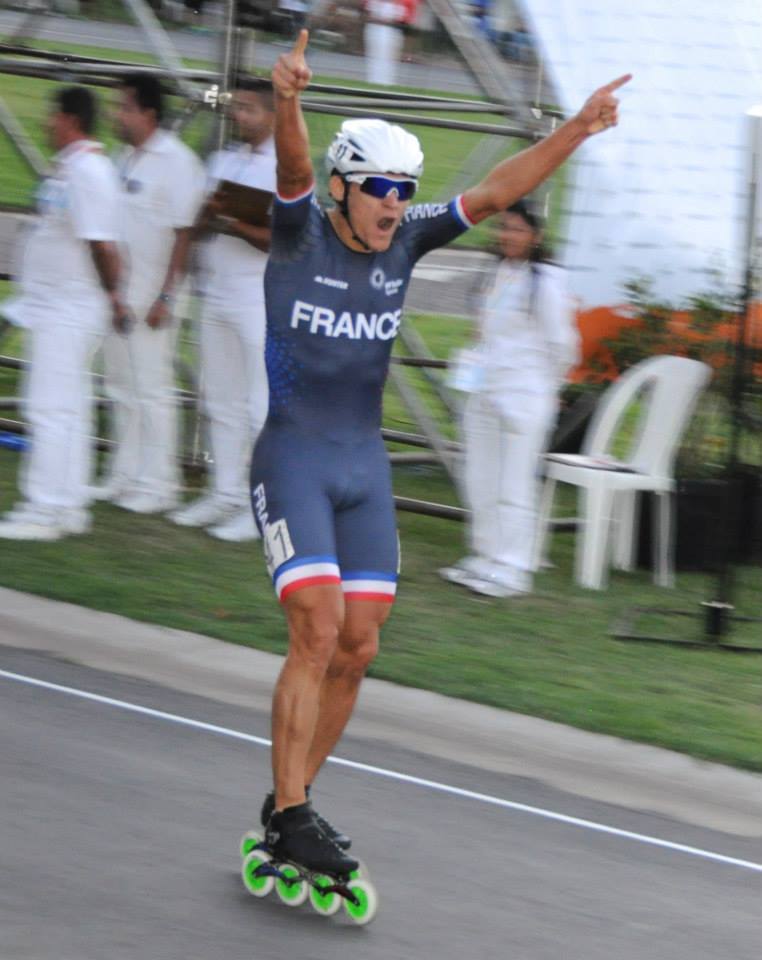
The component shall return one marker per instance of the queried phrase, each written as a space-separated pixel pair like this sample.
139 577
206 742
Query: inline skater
321 486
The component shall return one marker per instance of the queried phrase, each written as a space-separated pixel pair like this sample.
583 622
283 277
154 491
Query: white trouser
234 389
383 45
140 381
501 477
58 406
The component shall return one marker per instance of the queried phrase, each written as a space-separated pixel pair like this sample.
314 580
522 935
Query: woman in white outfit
529 342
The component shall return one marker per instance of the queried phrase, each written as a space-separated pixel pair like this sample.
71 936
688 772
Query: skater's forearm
521 174
290 76
292 148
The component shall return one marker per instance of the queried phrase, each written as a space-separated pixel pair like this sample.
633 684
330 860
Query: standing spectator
529 342
162 184
383 40
69 282
233 376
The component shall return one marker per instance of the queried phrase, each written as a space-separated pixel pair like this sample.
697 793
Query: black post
718 611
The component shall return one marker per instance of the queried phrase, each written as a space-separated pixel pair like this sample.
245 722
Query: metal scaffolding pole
23 144
486 65
162 47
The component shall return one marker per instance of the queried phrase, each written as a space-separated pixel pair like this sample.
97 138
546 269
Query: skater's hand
602 108
291 74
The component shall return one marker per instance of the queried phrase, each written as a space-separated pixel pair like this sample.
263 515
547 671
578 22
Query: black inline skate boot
294 835
341 839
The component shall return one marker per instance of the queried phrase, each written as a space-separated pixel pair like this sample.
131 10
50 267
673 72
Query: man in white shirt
232 341
68 294
162 185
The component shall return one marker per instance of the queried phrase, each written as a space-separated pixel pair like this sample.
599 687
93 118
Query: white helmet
374 146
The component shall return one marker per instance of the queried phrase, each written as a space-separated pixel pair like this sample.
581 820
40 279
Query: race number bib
277 545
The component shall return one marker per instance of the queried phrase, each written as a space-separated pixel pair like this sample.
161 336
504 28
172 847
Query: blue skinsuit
320 476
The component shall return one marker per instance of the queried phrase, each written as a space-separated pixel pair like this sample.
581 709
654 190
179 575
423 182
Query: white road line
395 775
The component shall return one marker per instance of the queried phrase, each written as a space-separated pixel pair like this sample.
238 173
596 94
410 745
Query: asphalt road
119 832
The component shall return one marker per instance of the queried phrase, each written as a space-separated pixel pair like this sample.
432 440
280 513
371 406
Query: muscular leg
315 616
356 648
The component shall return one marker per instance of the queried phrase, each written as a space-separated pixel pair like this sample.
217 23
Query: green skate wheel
365 910
326 904
361 873
257 886
249 841
291 891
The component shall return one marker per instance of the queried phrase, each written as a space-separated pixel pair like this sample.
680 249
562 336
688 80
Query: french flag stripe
369 575
375 597
383 588
300 196
307 571
461 212
319 581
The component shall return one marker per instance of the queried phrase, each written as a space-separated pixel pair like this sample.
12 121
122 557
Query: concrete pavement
585 765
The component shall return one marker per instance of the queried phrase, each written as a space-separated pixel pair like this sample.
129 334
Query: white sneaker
206 510
238 528
463 570
27 522
138 502
107 492
488 587
76 521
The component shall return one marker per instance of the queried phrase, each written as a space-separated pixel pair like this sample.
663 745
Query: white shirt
529 336
385 11
76 203
231 266
162 187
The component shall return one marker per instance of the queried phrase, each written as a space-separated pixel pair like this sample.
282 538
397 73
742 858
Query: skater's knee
314 642
357 648
314 625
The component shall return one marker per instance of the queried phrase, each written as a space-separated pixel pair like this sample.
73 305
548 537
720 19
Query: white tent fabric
663 194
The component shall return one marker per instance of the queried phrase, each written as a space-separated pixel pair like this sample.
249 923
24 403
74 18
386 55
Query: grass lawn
547 655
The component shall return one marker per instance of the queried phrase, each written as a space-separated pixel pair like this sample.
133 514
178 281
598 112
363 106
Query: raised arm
521 174
290 76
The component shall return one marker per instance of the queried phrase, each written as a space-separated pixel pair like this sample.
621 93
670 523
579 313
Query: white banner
663 194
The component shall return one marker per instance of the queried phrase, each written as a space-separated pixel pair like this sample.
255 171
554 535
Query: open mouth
385 224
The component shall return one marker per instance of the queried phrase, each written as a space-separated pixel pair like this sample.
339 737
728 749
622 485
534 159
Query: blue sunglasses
381 187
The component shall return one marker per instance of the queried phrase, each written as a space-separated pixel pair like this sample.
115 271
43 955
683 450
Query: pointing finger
301 43
616 84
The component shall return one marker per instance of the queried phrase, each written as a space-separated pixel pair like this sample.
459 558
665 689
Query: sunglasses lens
381 187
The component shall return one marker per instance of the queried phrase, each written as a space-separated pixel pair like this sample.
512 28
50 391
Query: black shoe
328 829
295 835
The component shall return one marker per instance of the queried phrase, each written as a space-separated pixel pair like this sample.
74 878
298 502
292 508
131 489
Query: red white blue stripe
380 587
461 212
299 196
305 572
324 570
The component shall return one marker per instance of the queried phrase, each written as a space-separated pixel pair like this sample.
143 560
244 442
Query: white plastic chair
610 489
